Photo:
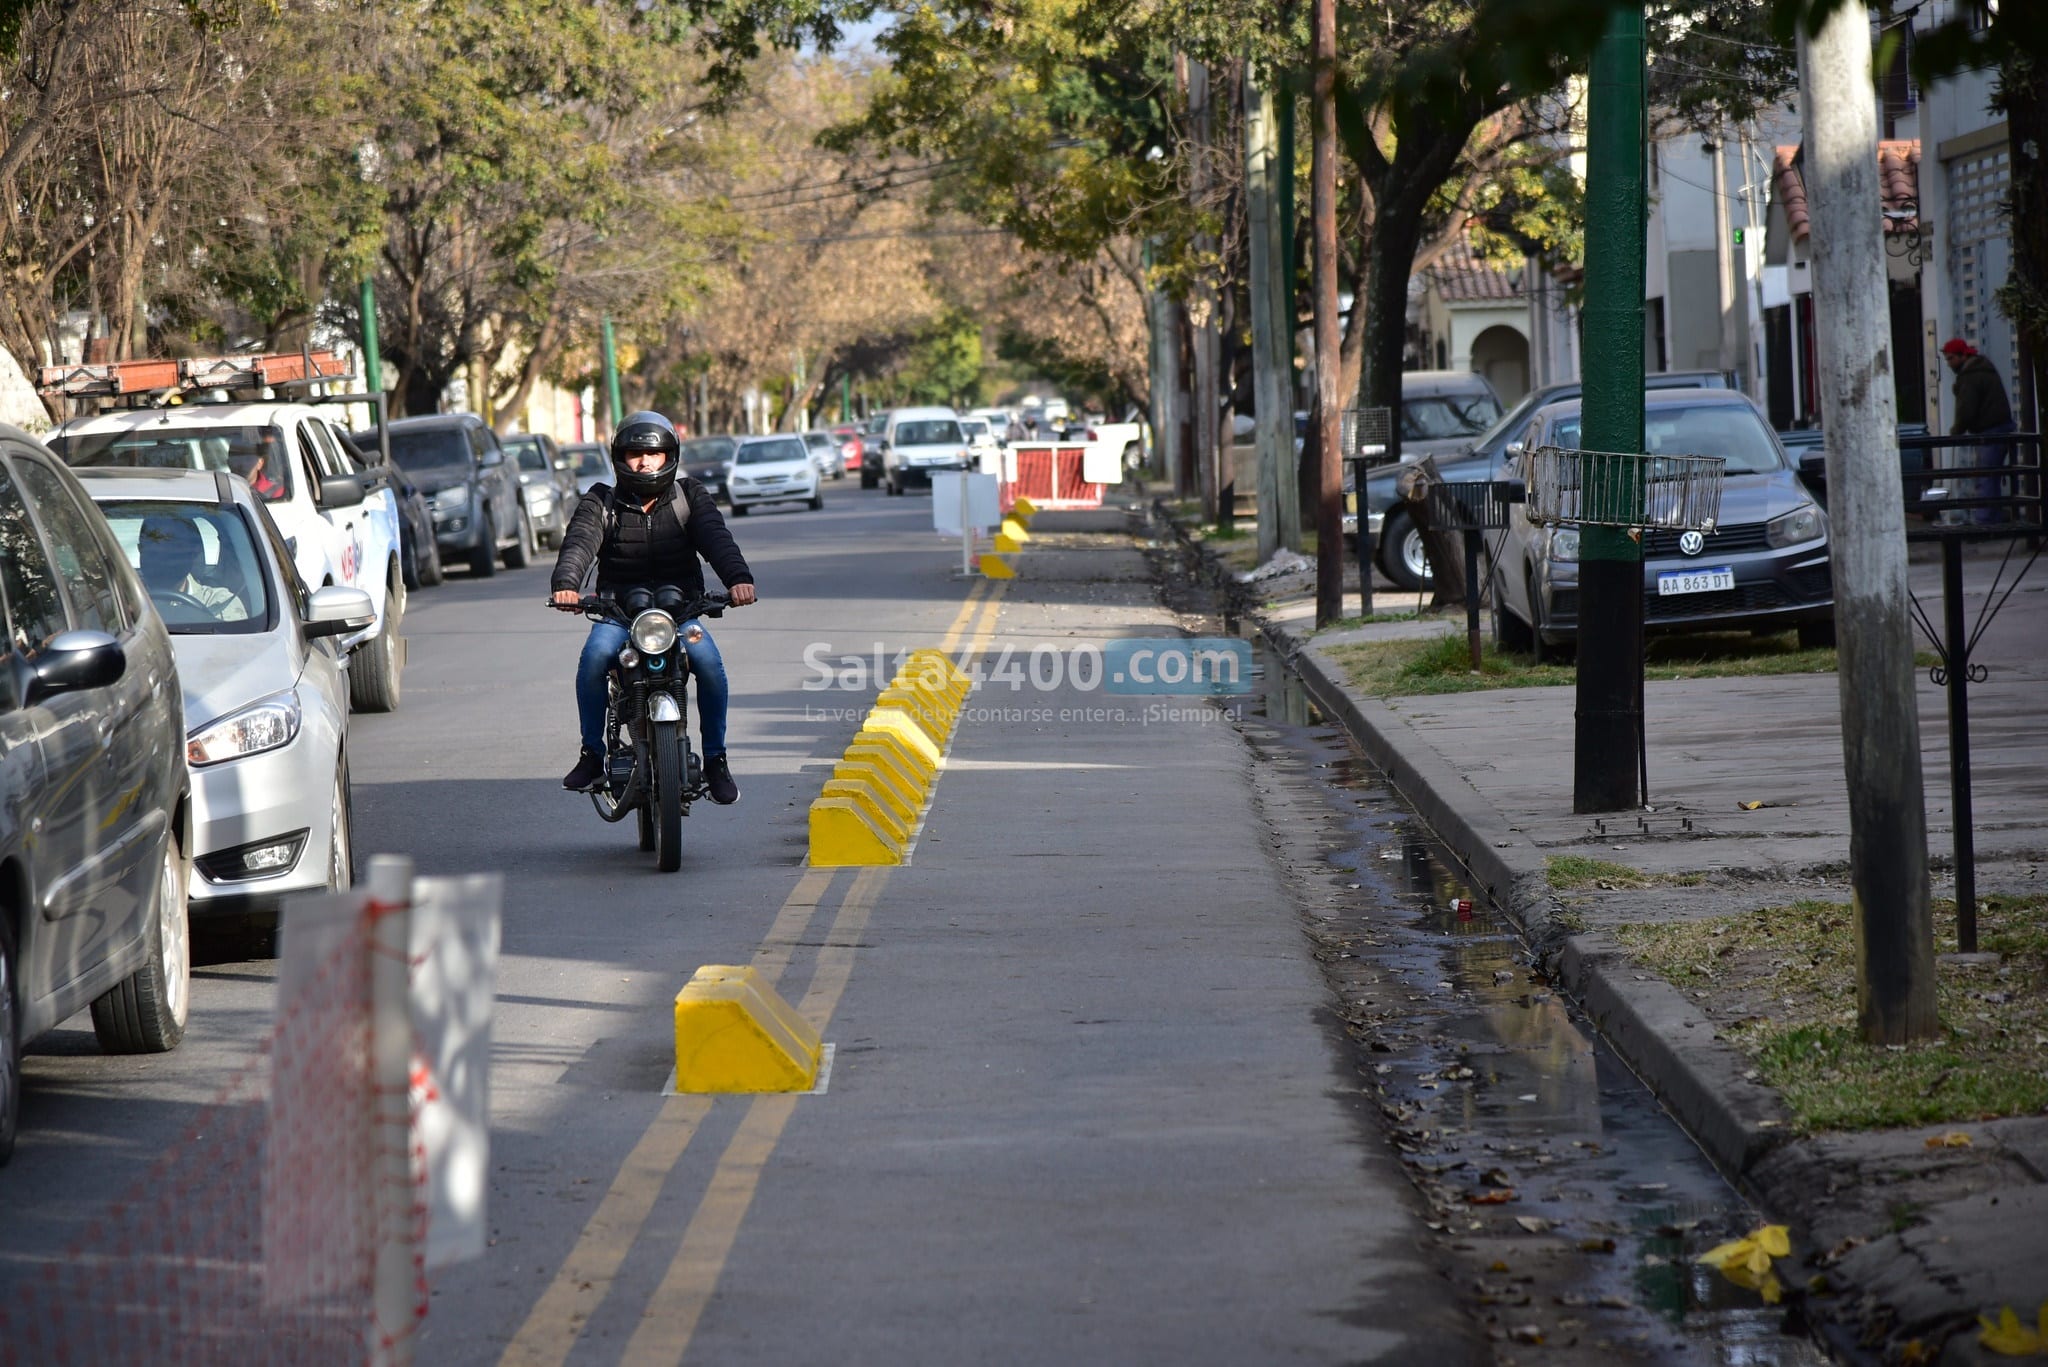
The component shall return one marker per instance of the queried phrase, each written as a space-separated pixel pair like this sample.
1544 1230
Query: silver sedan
265 686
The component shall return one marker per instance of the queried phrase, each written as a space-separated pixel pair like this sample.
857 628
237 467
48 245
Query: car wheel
373 673
483 559
1510 633
145 1012
1817 635
740 509
867 479
1402 553
519 554
1547 653
431 571
817 502
10 1044
341 843
410 563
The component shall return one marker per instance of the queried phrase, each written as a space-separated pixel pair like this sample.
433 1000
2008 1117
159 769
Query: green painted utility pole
373 360
846 398
1610 708
611 374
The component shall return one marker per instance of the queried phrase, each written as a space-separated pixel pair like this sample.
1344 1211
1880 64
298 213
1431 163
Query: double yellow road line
586 1276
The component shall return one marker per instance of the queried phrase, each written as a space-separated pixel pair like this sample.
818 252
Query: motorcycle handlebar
606 608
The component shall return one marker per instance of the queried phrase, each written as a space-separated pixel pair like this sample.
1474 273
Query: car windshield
431 448
771 452
592 460
823 439
708 450
1515 419
257 454
527 451
1733 432
199 563
932 432
1440 416
974 427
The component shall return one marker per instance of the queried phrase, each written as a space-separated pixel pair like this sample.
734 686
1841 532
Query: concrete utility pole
1880 722
1272 307
1609 736
1323 216
1724 258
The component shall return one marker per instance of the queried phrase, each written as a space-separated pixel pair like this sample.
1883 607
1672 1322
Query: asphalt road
1086 1103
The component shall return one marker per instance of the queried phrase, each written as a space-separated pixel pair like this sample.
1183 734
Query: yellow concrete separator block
1007 544
842 836
901 771
934 677
734 1034
937 665
920 714
899 750
895 722
1024 508
858 792
1014 529
897 795
995 567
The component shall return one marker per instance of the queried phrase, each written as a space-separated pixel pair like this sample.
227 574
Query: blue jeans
601 652
1992 457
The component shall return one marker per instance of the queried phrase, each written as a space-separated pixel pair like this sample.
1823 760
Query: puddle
1490 1082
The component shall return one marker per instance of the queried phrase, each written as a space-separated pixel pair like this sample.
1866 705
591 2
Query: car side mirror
1515 450
341 491
337 611
77 659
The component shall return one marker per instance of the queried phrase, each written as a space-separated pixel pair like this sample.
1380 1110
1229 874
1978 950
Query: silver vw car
265 687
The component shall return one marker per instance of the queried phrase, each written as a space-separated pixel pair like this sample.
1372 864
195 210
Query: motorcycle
650 771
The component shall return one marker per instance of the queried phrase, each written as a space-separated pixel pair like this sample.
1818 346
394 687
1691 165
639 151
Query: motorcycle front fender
662 707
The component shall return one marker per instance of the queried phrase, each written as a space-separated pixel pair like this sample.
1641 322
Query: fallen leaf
1534 1224
1498 1197
1954 1139
2009 1338
1526 1333
1750 806
1596 1245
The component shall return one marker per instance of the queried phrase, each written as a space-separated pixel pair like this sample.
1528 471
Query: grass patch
1353 623
1578 873
1443 665
1781 981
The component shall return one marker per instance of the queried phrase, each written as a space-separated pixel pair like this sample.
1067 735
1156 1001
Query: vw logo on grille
1692 543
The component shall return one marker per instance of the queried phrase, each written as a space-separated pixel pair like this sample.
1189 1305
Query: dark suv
93 831
458 463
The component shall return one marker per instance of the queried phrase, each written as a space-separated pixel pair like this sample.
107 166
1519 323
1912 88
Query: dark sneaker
718 778
589 768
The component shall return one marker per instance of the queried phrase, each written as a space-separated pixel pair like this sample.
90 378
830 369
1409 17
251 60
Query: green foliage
944 366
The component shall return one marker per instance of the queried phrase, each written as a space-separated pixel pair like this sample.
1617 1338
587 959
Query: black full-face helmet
638 435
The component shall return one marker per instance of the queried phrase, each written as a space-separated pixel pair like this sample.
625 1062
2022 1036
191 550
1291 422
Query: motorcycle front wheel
667 797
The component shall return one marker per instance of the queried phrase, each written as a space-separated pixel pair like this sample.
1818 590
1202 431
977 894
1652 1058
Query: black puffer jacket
632 548
1981 404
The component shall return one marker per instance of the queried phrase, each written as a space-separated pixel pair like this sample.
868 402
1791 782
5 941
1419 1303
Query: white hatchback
919 442
773 470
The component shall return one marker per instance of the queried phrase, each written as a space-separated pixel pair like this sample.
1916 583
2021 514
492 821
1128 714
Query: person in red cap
1982 409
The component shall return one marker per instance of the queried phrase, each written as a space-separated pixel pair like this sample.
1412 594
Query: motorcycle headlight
260 726
1801 525
654 632
1564 544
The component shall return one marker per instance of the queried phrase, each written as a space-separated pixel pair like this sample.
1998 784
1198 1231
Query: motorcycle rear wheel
667 797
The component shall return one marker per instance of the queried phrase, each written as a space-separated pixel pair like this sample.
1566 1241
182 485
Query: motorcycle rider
648 529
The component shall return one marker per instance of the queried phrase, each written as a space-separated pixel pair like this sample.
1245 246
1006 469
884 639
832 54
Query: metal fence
1624 489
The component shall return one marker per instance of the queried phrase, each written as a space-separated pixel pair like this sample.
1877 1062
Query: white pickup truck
339 523
1126 439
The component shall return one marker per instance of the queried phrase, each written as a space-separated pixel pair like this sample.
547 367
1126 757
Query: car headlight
1802 524
1564 544
654 632
260 726
540 498
452 500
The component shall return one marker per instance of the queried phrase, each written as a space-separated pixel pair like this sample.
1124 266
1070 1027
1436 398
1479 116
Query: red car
849 445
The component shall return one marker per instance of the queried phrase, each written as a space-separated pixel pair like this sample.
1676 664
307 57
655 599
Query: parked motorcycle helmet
638 435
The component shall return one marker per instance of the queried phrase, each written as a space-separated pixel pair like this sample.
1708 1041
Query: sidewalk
1912 1241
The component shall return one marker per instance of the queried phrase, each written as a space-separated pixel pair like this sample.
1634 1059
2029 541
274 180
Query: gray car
265 688
547 482
1764 567
93 828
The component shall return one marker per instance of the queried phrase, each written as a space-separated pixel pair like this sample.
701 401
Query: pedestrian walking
1982 409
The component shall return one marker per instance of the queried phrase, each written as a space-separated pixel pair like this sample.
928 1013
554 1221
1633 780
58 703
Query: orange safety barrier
1049 474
